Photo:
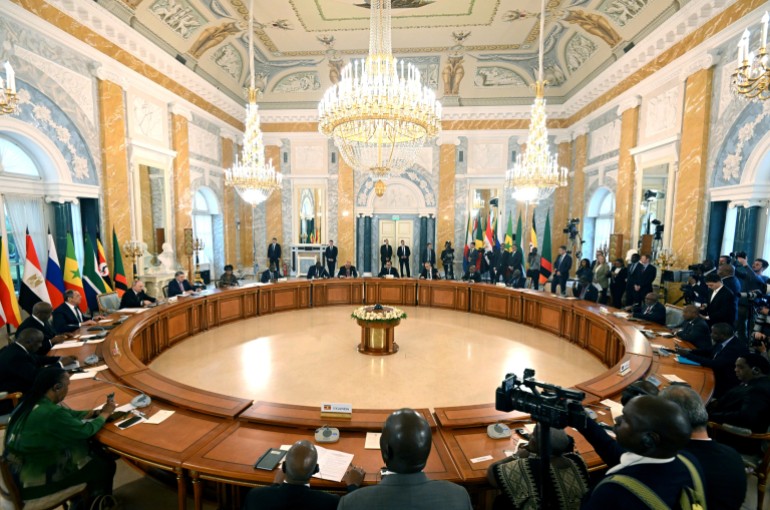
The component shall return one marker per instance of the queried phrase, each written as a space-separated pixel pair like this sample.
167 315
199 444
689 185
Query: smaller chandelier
8 98
752 77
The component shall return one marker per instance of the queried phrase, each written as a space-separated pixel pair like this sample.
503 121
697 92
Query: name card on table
625 368
336 410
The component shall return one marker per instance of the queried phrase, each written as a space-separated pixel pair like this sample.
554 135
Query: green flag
509 234
518 232
118 273
480 233
546 268
93 285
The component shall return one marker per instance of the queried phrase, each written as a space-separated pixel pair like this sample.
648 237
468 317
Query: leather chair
10 496
109 302
757 465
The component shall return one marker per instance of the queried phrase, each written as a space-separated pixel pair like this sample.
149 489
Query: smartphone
125 424
269 459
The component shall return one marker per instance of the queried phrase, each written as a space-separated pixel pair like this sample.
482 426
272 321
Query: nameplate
336 410
625 368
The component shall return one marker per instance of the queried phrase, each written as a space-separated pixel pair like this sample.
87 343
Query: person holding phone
47 444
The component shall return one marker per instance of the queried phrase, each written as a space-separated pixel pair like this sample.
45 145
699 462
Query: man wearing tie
429 272
403 254
634 274
429 255
561 271
720 357
274 253
694 328
179 286
67 317
388 270
651 310
39 320
386 253
270 275
643 284
135 297
348 271
317 271
330 255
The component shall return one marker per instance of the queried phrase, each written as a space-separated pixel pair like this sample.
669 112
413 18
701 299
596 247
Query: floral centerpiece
378 313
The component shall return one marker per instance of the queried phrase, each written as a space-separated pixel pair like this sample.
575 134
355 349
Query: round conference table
215 439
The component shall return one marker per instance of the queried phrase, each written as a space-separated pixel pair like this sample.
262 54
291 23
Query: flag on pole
518 233
72 280
33 288
467 247
479 233
54 282
546 268
93 285
8 303
533 232
119 274
509 234
489 241
104 270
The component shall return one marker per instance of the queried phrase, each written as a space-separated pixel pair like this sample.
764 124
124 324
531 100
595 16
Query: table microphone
139 401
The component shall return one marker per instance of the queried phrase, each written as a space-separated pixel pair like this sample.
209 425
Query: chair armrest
738 431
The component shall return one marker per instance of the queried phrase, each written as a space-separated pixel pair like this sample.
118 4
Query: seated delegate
47 445
136 297
228 279
270 275
180 286
388 270
67 317
317 271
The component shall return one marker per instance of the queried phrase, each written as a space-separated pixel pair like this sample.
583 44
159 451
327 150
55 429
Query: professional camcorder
738 255
658 229
547 404
571 228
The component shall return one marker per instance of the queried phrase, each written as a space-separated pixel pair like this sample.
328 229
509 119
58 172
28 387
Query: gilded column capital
629 102
705 61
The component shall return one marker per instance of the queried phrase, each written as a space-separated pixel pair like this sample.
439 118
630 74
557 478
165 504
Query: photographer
448 261
760 333
752 281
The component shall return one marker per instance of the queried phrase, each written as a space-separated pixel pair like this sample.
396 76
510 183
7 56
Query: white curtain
28 213
77 235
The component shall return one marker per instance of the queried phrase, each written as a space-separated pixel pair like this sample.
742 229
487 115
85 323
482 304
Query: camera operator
448 261
760 331
752 281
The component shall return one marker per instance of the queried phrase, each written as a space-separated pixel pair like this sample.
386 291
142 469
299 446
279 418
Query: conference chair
109 302
673 316
165 290
758 465
10 497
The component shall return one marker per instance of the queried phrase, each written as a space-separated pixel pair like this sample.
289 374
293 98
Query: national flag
72 280
104 270
54 282
8 302
533 232
518 233
33 289
479 232
467 247
489 234
119 274
546 268
509 234
93 285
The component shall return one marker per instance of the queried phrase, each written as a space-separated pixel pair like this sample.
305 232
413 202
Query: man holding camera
753 282
448 261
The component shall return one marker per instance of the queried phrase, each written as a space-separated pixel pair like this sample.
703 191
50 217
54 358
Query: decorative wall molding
703 62
628 102
182 111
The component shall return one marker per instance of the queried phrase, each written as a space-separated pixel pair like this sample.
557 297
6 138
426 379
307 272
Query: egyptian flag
72 280
546 268
118 272
104 270
33 289
9 306
54 282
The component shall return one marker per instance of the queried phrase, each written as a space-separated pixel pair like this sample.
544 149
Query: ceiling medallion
536 173
379 114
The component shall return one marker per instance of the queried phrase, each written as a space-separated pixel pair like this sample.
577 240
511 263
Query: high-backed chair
109 302
10 496
757 465
673 316
165 290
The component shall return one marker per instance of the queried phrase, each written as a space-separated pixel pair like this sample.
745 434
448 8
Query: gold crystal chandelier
536 173
379 113
8 98
752 77
252 177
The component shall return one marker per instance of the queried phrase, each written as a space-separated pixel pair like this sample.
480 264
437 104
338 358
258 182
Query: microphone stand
139 401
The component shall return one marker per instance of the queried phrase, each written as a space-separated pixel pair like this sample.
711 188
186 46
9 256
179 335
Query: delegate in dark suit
618 280
634 277
563 266
386 254
747 405
414 491
175 288
18 369
695 331
646 277
403 253
67 320
330 256
721 306
433 275
721 359
268 276
132 299
274 253
653 313
348 272
287 496
317 271
388 271
44 327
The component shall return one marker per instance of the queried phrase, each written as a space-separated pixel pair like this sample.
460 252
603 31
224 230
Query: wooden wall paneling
230 309
319 294
424 295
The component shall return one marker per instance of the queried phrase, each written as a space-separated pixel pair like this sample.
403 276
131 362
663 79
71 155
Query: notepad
159 417
372 441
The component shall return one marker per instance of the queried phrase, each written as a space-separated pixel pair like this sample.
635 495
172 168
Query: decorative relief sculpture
594 24
214 35
623 11
663 112
298 82
148 117
229 60
454 71
178 15
495 76
579 50
604 139
333 58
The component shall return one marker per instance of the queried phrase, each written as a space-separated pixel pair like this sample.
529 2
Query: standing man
644 285
429 255
67 317
634 274
330 255
751 279
561 272
403 253
448 261
721 305
274 253
386 253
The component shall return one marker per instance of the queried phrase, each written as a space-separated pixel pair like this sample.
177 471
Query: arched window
599 222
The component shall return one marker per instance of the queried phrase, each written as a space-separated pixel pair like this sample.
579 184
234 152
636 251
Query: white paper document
159 417
372 441
674 378
67 345
616 408
133 310
332 464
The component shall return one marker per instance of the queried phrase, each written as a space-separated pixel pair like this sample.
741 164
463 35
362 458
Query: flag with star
72 280
33 289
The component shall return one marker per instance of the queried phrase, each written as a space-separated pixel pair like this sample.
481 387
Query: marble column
561 197
577 186
229 206
368 245
446 195
274 204
346 239
181 182
115 171
423 236
624 198
690 199
246 255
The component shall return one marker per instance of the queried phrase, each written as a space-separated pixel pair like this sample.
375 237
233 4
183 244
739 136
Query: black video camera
738 255
571 228
547 404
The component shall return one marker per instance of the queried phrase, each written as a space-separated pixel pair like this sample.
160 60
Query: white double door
396 231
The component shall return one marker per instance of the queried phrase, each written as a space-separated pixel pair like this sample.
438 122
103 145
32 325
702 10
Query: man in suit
472 275
291 488
694 328
136 297
388 270
727 273
67 317
634 275
429 255
348 271
618 278
429 272
561 271
587 291
179 286
330 256
403 253
751 279
274 253
721 305
19 364
651 310
515 261
386 253
40 320
317 271
270 275
720 357
405 446
645 277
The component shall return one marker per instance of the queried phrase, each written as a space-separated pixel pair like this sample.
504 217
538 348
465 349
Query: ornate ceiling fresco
472 52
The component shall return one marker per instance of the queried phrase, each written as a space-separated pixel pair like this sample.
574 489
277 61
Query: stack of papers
89 373
332 464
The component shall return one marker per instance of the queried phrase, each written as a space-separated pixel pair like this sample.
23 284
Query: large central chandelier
752 77
536 173
252 177
379 113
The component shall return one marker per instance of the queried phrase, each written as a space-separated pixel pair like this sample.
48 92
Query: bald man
694 328
652 430
292 484
651 310
40 320
405 446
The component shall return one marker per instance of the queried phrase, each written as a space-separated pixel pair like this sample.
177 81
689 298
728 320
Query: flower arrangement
378 313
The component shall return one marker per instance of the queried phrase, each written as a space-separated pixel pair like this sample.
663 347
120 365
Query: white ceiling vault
472 52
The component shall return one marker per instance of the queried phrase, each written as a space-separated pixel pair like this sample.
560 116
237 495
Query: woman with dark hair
618 280
47 445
